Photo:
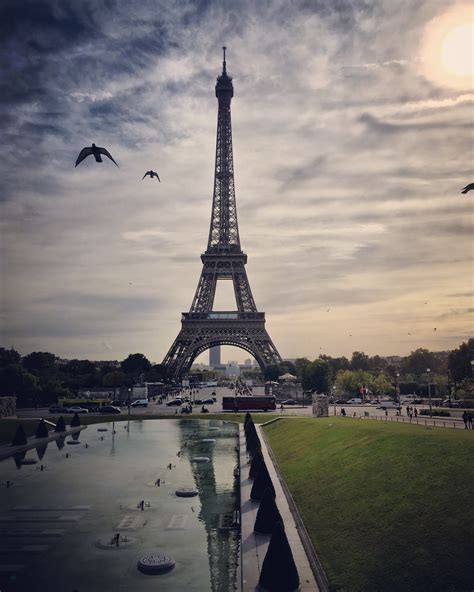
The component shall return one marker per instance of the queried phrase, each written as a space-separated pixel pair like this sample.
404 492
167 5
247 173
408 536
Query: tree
350 382
459 361
382 386
40 363
9 357
16 381
300 365
336 363
360 361
418 362
135 365
317 376
156 373
114 379
272 372
377 364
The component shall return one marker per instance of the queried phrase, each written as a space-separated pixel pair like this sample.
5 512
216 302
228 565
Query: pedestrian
408 410
415 411
158 482
464 418
469 419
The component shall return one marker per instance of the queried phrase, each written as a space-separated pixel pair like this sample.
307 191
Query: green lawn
388 507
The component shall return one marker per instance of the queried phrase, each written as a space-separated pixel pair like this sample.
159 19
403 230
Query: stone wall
7 406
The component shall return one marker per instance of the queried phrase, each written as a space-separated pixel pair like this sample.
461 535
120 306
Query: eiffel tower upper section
223 258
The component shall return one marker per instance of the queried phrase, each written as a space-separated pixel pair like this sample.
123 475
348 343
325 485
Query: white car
77 410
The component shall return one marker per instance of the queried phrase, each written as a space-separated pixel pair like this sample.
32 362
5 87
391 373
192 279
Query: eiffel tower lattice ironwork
201 327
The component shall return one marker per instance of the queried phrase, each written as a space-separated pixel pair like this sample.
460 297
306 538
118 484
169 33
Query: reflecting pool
74 520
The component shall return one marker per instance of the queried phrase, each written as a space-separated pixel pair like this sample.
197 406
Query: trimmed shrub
20 437
75 422
262 481
279 573
61 425
256 464
248 418
268 514
41 430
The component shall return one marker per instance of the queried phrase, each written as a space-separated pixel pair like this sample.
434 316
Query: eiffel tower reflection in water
219 498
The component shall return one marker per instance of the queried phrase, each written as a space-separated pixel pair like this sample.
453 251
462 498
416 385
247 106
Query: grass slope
388 507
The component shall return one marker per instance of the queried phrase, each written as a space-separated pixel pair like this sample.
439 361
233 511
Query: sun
447 48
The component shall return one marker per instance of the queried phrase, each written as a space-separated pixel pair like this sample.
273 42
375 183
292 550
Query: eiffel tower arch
202 327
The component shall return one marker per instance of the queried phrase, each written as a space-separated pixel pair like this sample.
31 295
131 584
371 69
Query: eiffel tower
201 327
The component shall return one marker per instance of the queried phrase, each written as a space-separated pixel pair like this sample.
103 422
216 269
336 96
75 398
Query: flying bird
96 151
468 188
151 175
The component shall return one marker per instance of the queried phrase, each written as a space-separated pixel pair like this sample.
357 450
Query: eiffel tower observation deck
202 327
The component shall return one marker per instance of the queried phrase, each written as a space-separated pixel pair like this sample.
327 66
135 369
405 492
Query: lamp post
397 387
429 391
334 398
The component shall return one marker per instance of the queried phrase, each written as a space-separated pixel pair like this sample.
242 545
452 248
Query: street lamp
397 388
429 391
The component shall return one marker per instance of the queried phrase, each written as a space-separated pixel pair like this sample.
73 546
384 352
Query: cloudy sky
352 127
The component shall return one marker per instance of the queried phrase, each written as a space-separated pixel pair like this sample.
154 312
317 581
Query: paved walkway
254 547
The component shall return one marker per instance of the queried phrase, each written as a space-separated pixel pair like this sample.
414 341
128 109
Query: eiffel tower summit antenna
201 327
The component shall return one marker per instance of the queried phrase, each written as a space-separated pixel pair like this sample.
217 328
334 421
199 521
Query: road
288 410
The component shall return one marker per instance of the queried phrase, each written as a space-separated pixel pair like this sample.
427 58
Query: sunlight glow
447 50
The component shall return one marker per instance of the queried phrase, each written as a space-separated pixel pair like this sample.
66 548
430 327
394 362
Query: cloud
347 178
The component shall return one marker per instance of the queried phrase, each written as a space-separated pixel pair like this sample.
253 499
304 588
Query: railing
223 315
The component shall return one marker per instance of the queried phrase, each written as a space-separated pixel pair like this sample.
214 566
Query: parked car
288 402
208 401
56 409
109 409
76 409
140 403
341 402
389 404
355 401
176 402
119 403
454 404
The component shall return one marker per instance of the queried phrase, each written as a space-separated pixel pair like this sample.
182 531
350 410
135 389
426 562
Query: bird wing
144 175
156 175
468 188
84 153
107 153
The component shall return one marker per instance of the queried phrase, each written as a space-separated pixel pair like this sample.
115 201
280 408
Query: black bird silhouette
151 175
468 188
96 151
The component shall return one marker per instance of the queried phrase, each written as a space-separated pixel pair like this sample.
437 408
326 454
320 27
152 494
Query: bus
249 403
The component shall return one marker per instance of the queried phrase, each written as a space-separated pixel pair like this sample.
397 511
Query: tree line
40 377
446 373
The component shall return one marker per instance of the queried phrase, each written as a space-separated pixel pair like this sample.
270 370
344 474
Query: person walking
464 418
415 411
469 420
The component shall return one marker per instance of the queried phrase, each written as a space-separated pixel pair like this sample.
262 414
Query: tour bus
249 402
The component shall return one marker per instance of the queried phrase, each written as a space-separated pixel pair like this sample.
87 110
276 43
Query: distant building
232 369
215 356
392 360
248 362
